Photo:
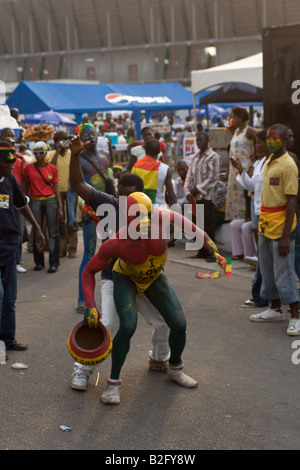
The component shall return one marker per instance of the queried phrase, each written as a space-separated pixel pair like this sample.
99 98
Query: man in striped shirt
200 183
156 175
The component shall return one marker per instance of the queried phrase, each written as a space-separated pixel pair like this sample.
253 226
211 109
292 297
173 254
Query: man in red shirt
45 201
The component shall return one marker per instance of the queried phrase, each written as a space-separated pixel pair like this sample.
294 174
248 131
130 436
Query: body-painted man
141 252
159 354
277 224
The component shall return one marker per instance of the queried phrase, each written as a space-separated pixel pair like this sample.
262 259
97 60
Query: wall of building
126 65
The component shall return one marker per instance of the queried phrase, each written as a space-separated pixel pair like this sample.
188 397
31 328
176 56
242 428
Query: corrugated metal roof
41 25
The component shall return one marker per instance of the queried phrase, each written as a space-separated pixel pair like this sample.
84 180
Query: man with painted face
95 171
141 251
129 183
277 224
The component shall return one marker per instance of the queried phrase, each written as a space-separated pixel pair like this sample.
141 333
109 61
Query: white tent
248 70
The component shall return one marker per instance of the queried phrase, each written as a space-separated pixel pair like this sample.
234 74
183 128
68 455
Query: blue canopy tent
50 117
34 97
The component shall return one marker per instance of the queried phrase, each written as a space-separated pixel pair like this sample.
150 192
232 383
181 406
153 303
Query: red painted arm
190 228
185 224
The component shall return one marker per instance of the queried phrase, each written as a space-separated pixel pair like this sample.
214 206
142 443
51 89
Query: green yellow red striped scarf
147 168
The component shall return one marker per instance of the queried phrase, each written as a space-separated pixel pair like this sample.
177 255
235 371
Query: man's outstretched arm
77 181
187 226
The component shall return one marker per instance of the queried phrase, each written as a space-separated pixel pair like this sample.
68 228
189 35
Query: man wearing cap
11 195
45 201
95 169
8 135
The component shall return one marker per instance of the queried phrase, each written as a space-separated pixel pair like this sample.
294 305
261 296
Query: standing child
182 169
45 201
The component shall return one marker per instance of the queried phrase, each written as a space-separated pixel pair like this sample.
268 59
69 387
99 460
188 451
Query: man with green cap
96 171
11 195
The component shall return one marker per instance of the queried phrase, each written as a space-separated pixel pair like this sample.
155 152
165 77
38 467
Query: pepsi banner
118 98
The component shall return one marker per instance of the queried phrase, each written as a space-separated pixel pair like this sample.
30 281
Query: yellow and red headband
82 127
6 152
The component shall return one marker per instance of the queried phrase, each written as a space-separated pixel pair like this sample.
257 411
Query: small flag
228 267
215 275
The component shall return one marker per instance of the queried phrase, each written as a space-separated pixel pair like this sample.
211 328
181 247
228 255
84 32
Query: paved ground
247 396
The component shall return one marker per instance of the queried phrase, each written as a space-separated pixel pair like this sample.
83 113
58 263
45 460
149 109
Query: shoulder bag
39 171
109 184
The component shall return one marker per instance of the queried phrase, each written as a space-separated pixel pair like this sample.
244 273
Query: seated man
141 251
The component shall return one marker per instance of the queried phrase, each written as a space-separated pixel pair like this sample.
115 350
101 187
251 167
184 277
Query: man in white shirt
200 182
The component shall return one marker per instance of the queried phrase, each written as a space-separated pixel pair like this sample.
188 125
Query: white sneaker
177 375
269 315
79 381
20 269
111 395
251 258
251 261
294 327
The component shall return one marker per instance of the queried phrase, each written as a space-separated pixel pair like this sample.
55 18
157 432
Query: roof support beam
203 42
49 35
108 26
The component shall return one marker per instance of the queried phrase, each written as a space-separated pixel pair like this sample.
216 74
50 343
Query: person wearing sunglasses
11 197
45 202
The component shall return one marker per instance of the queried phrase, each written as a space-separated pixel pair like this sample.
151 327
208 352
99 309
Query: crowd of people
59 190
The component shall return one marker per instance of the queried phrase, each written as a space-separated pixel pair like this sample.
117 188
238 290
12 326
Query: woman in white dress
241 147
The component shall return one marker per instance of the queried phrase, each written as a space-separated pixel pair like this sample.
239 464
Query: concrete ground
247 397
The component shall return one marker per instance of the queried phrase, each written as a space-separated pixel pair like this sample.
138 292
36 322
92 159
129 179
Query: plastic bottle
2 353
